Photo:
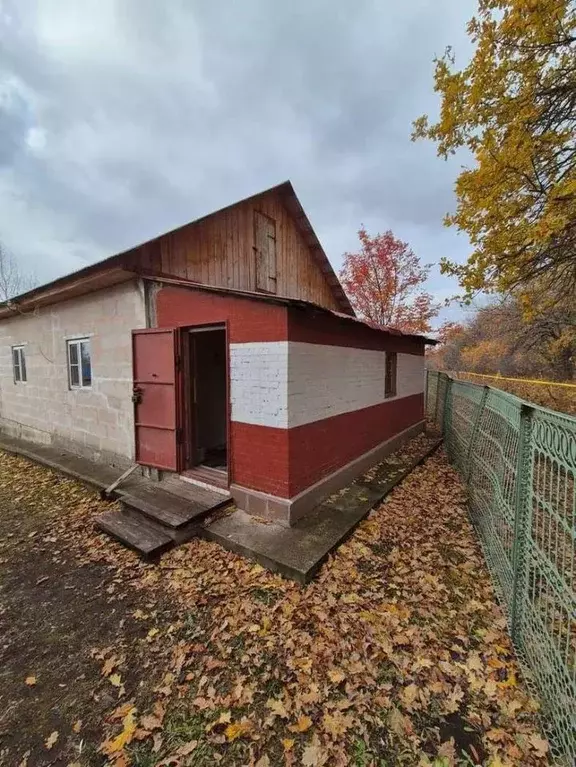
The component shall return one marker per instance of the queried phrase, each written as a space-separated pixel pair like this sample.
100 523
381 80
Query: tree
502 338
13 280
383 282
513 107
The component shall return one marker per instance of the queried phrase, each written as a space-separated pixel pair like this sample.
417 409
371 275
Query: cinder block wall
96 422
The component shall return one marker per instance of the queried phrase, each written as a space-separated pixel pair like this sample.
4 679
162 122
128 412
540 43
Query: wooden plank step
135 530
167 509
208 475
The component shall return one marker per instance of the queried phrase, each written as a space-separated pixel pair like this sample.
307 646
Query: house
225 351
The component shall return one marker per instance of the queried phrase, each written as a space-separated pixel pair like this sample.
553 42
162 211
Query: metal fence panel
519 461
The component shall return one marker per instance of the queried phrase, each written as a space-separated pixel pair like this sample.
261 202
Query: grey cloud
156 113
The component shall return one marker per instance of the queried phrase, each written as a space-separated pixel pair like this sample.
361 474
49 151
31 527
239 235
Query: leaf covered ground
397 654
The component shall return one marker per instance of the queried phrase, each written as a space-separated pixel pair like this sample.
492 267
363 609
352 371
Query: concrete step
136 531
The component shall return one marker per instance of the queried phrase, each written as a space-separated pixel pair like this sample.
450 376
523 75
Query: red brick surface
260 458
319 448
247 320
284 462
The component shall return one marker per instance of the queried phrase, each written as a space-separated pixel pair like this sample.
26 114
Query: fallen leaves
51 740
304 723
238 730
399 634
117 744
30 681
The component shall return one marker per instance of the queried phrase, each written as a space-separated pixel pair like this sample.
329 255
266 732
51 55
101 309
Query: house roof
284 301
122 268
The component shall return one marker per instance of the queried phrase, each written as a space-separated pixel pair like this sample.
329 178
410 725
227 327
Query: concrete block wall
95 422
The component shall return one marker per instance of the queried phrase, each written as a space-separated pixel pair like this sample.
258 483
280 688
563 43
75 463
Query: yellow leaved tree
513 107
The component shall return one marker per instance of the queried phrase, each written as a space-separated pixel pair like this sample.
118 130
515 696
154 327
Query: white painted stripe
285 384
259 383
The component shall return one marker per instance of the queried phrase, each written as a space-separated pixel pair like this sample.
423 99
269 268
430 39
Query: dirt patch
61 619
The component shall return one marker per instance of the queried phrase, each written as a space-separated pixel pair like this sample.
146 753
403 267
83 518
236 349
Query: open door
156 397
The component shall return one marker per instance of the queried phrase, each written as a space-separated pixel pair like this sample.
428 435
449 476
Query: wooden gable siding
220 250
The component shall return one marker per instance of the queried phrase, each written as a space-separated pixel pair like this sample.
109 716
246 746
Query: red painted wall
248 320
321 328
319 448
283 462
260 458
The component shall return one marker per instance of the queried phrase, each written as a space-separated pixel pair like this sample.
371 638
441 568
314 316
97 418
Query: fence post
474 434
447 414
438 380
522 522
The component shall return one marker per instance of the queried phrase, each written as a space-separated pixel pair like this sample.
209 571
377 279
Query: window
79 366
390 376
19 364
265 249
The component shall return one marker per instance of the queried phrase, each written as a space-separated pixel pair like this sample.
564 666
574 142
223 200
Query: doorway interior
206 405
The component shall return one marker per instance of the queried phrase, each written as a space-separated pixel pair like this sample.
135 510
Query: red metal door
155 355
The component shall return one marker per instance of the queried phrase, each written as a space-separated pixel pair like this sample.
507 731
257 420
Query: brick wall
306 388
329 402
97 422
259 383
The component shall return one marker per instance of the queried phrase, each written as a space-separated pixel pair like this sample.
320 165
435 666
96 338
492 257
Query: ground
397 654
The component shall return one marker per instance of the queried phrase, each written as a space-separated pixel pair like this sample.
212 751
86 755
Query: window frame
77 344
391 375
18 351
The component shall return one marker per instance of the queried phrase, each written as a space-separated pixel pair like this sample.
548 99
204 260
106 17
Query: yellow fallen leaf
110 747
152 633
30 681
77 726
497 762
303 724
510 682
237 730
115 679
51 740
288 743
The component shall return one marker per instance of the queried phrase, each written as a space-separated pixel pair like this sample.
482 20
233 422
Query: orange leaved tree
384 283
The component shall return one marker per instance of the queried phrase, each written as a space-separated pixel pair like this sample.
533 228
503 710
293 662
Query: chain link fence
519 463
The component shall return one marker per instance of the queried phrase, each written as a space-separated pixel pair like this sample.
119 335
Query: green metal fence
519 462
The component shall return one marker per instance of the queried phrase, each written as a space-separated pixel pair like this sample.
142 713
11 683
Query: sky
122 119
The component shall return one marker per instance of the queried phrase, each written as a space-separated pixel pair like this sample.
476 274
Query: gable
263 244
254 245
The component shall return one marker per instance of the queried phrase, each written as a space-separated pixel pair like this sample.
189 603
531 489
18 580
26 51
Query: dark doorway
207 399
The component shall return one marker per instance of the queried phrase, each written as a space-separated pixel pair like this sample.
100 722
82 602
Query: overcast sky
121 119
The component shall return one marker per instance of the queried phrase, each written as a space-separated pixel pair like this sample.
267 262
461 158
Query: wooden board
221 250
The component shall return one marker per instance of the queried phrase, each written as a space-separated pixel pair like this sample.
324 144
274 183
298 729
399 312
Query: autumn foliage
384 283
512 108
